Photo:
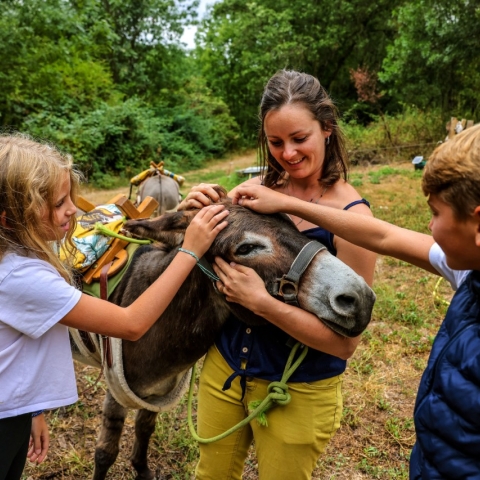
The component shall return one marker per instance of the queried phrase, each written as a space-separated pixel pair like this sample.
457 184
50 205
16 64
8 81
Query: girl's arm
39 439
130 323
367 232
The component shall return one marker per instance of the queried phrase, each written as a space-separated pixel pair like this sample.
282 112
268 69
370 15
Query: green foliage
434 59
109 83
410 133
199 127
241 44
124 138
111 139
117 72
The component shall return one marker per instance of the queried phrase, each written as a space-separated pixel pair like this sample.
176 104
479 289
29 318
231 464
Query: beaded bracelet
36 414
206 270
180 249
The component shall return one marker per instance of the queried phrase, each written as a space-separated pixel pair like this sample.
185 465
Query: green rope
101 228
277 394
436 296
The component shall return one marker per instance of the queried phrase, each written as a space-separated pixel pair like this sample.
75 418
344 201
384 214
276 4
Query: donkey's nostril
347 302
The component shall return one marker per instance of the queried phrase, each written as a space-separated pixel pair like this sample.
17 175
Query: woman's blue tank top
262 351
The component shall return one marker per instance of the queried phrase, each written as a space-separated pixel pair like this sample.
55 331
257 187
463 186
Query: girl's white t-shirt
36 365
439 262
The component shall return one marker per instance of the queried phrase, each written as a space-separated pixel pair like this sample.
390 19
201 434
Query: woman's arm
130 323
243 285
367 232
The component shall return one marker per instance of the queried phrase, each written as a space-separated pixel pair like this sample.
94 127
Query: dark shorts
14 439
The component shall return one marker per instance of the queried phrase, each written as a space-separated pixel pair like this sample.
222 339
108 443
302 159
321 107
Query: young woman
302 148
38 302
446 414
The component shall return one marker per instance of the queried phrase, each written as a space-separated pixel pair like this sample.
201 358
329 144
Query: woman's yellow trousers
287 449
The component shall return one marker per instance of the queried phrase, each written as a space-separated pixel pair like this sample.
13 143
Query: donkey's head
270 244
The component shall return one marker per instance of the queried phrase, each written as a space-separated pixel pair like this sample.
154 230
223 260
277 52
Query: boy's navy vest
447 409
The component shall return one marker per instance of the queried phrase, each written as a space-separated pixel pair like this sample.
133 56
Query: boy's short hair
453 172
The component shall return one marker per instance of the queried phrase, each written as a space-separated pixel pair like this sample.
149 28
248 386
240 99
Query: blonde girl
38 187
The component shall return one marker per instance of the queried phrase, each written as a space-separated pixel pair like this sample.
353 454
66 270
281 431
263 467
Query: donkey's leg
144 427
108 442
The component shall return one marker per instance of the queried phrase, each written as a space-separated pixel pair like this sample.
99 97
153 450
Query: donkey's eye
245 249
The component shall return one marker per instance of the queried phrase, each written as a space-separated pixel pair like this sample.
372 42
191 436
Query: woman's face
296 140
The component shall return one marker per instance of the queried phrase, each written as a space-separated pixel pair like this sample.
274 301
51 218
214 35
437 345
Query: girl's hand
199 196
204 228
240 284
39 440
259 198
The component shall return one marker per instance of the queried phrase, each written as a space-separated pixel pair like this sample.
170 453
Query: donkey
155 364
163 189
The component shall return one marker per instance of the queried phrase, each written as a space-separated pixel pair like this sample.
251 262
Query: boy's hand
200 196
39 440
260 198
204 228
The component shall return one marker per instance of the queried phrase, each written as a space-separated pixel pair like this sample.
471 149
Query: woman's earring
328 140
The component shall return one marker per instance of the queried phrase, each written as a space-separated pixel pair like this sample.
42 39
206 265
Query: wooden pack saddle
116 256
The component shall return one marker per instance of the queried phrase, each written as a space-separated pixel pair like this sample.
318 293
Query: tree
109 82
139 40
45 61
434 60
241 44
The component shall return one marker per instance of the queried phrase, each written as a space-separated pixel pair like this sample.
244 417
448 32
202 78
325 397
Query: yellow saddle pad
90 244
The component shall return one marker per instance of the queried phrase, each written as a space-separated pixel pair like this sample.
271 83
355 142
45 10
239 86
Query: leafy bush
124 138
110 139
196 128
397 137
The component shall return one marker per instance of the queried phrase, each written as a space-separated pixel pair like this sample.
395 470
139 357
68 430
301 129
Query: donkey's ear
168 228
222 192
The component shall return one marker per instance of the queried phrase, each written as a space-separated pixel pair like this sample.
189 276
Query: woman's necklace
312 200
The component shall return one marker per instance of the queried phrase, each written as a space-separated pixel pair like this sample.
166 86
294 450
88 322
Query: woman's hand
240 284
39 440
200 196
243 285
260 198
204 228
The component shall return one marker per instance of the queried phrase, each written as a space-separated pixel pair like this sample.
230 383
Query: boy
447 409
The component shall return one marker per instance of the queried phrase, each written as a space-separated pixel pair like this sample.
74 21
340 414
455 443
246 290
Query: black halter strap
287 286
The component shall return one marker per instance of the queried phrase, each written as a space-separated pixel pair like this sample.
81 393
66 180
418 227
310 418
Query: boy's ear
476 217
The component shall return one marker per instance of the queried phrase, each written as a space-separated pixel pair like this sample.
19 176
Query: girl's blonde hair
30 176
